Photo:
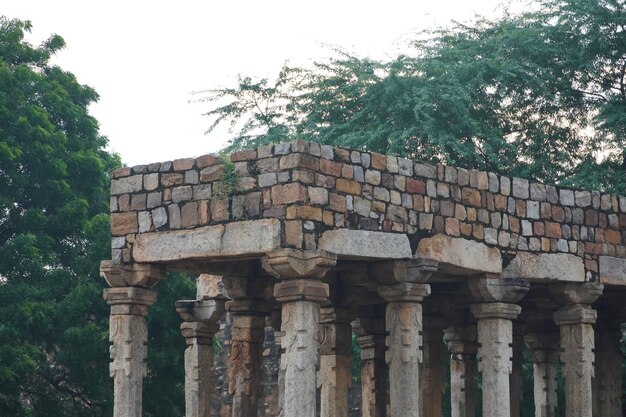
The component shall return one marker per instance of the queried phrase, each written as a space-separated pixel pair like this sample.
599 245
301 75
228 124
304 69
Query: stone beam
460 256
237 239
546 267
612 270
359 244
133 275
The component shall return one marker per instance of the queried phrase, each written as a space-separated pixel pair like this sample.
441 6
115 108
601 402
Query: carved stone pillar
335 359
200 325
575 321
275 317
495 337
300 294
249 307
373 367
404 325
607 384
432 375
516 379
463 388
545 356
128 332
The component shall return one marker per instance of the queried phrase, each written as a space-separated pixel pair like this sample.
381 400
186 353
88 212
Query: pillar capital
286 264
129 300
416 270
200 332
495 311
575 314
404 292
573 293
301 290
207 310
135 275
493 289
462 340
248 287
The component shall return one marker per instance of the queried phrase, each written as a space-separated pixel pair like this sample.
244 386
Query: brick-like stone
289 193
173 211
538 192
348 186
183 164
180 194
553 230
125 185
405 167
520 188
172 179
159 217
218 208
124 223
293 233
208 160
189 215
304 212
425 170
566 197
372 177
471 197
244 155
212 173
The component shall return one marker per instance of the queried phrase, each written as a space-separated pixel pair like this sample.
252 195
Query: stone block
348 186
246 238
546 267
612 270
520 188
566 197
359 244
124 223
212 173
127 185
183 164
460 256
289 193
208 160
172 179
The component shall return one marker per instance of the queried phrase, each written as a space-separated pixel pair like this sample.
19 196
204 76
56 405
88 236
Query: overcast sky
145 58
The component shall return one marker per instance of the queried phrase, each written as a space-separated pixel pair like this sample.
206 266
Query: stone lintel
612 270
404 292
496 311
210 310
249 287
287 264
129 300
575 314
237 239
546 267
301 290
135 275
490 289
364 244
585 293
249 307
460 256
416 270
199 332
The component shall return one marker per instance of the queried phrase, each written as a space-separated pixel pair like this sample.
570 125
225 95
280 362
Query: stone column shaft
404 325
128 334
335 359
495 337
545 356
432 375
198 367
577 344
517 378
373 376
463 388
246 361
607 384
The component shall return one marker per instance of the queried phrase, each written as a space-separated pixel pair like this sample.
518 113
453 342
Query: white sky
145 57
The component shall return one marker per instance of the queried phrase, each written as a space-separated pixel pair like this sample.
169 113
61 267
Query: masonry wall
312 188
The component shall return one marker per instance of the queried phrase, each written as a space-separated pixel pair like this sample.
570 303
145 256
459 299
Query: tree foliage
539 95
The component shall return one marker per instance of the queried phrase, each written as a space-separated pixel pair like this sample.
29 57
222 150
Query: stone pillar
607 384
129 300
335 359
300 292
200 325
249 307
495 337
544 347
404 293
516 379
275 317
371 340
575 321
432 375
463 388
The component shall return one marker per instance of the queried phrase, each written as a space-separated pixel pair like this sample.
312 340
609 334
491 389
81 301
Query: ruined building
323 241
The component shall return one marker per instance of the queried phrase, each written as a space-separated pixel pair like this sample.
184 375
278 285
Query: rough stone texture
373 376
463 388
404 324
365 244
612 270
335 359
458 255
432 375
546 267
545 357
128 335
242 238
495 331
607 383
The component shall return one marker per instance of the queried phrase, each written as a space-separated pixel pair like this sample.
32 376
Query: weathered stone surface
366 244
546 267
612 270
254 237
460 256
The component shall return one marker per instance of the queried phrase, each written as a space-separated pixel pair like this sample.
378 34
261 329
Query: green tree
539 95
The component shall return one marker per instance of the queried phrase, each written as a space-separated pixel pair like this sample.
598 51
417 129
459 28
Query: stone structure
327 240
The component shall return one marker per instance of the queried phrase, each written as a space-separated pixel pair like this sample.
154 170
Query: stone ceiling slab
460 256
612 270
546 267
366 244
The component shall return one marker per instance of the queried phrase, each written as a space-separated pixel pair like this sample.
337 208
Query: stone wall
312 188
